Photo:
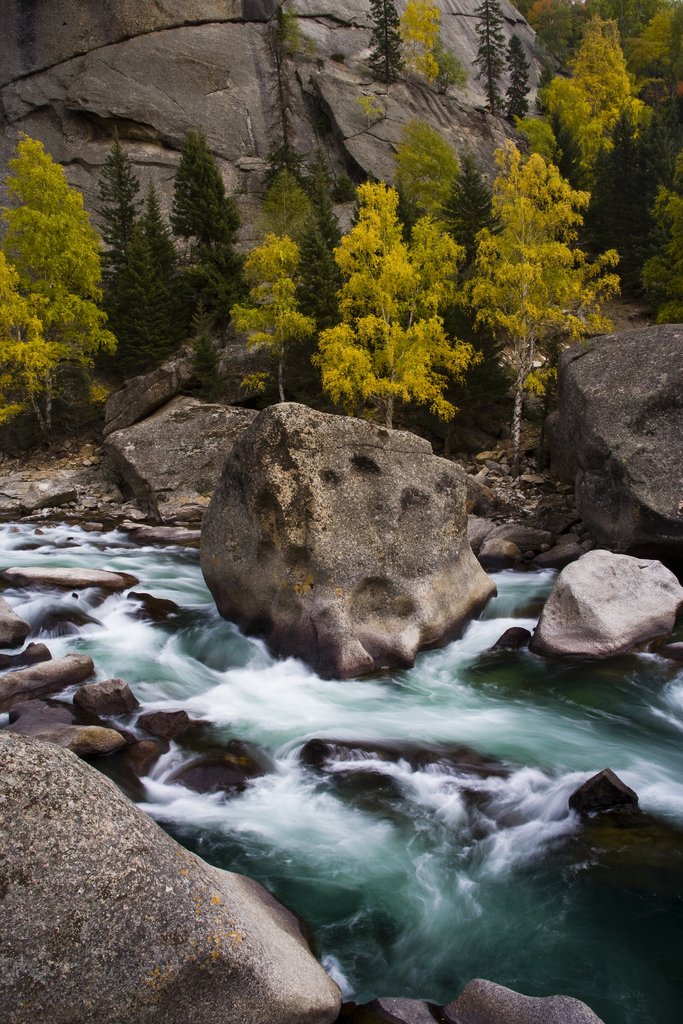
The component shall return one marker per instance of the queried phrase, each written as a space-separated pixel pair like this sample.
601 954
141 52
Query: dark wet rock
140 396
603 792
525 537
483 1002
478 530
395 1011
33 654
480 500
147 907
48 494
226 770
153 609
460 760
56 725
498 554
44 678
31 712
625 432
512 639
340 542
61 618
22 576
166 724
142 755
13 629
604 604
165 535
110 697
560 556
673 651
174 457
555 514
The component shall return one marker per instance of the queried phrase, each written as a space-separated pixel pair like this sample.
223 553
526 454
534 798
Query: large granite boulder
108 919
341 542
172 460
48 494
619 432
139 397
484 1002
604 603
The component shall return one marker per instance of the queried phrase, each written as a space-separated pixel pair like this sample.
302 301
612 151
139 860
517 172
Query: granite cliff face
73 70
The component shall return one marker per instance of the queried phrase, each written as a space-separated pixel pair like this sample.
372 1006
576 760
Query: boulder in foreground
159 934
70 579
483 1002
603 792
44 678
604 603
13 629
340 542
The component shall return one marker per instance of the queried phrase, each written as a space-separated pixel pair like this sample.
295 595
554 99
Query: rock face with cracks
107 919
340 542
605 603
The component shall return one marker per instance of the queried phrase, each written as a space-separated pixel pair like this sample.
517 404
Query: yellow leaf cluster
392 339
425 166
419 30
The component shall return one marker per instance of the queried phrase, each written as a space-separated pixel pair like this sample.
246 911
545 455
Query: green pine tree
117 190
490 57
143 318
469 206
157 233
208 219
518 89
385 60
320 278
206 380
569 159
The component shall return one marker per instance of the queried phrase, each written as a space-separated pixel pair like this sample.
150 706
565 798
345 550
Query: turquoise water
414 876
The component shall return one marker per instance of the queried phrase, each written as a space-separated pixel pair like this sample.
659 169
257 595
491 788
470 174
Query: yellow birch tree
392 340
419 30
425 166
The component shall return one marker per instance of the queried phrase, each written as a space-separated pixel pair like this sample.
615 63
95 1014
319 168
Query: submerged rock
69 579
13 629
483 1002
459 760
111 697
165 535
153 609
340 542
159 933
226 770
604 603
44 678
512 639
603 792
142 755
672 651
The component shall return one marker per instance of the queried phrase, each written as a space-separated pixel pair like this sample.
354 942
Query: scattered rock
13 630
601 793
92 527
165 724
673 651
142 755
153 609
605 603
152 913
553 514
226 770
477 531
525 537
625 433
56 725
43 679
341 542
483 1002
164 535
111 697
33 654
176 455
564 552
48 494
141 396
71 579
512 639
480 501
498 554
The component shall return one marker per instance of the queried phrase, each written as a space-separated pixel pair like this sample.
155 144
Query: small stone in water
166 724
512 638
601 793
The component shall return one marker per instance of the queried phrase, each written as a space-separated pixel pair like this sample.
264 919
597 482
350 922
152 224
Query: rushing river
414 879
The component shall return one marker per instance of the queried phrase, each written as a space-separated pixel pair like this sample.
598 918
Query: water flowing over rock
173 458
160 934
604 603
13 629
44 678
619 433
342 543
483 1002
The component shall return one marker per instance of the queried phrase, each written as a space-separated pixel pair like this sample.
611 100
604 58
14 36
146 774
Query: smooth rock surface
110 697
13 629
478 530
481 501
603 792
512 639
165 724
525 537
31 656
340 542
140 396
48 494
44 678
395 1011
175 456
70 579
483 1002
160 934
624 430
605 603
164 535
54 725
497 553
672 651
562 554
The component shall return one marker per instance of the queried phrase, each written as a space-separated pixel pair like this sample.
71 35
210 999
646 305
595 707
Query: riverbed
414 875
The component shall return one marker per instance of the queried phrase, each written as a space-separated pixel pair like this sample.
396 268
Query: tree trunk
517 420
48 403
281 388
389 414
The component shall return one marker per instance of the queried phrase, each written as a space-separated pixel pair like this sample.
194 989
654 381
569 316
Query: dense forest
450 291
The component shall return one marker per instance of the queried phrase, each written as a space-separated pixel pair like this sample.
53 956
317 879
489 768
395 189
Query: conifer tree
319 273
469 206
385 60
157 233
205 364
142 320
518 89
117 190
490 57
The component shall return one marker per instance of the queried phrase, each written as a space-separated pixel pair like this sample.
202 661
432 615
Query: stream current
415 875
